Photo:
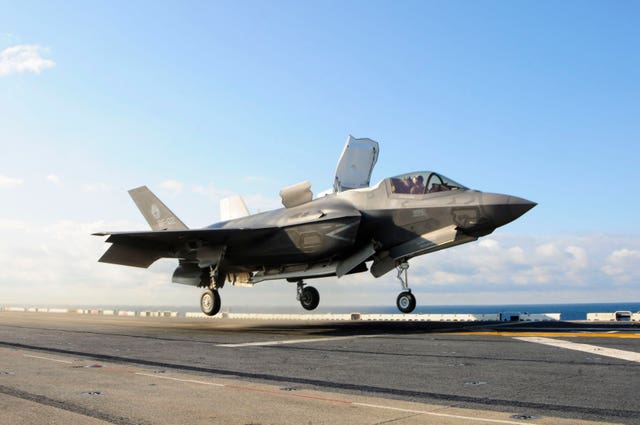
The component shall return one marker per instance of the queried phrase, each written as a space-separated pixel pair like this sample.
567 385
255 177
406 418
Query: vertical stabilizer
155 211
233 207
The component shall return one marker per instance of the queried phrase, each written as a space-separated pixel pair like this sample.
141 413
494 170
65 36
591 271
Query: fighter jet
351 229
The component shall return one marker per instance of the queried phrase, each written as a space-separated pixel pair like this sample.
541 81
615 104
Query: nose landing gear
406 301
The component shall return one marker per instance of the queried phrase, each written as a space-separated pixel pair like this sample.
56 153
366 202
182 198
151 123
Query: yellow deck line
553 334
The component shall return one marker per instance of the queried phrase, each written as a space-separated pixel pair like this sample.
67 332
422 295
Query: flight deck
72 368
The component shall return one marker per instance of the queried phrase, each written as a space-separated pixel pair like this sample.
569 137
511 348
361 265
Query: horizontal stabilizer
155 211
130 256
171 241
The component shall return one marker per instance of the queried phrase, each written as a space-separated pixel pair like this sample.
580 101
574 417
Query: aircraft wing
141 249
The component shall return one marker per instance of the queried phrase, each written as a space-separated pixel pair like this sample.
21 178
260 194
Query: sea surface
567 311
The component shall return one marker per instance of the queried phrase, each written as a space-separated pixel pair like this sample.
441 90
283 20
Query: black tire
210 302
406 302
309 298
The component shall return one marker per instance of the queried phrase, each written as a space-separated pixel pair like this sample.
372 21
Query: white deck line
587 348
47 358
294 341
191 381
443 415
352 403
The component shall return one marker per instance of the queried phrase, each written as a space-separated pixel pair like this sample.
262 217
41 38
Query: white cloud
578 257
96 187
56 263
515 263
255 179
173 186
211 191
8 37
24 58
547 250
622 265
517 255
491 244
52 178
9 182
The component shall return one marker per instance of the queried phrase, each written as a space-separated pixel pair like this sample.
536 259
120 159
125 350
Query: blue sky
200 100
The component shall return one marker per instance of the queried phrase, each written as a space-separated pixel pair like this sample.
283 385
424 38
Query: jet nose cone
503 209
519 206
494 210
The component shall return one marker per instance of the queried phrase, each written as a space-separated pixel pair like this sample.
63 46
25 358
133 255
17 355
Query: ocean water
567 311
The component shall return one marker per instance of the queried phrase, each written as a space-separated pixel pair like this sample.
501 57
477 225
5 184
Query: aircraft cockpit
422 182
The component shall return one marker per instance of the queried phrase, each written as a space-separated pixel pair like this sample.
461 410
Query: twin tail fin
155 211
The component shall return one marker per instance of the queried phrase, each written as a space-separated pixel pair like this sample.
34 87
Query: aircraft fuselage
331 228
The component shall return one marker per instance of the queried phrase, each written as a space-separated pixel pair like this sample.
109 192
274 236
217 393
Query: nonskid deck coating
429 364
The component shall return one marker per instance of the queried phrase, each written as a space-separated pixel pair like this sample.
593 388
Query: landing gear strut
309 296
210 299
406 302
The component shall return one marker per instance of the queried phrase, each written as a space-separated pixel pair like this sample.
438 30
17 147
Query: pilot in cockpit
403 185
408 184
418 185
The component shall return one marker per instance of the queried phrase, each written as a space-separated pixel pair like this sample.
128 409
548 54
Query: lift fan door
355 164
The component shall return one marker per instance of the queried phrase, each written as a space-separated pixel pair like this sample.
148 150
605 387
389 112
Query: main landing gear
210 299
406 302
210 302
309 296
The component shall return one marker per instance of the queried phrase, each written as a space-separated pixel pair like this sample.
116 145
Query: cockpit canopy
422 182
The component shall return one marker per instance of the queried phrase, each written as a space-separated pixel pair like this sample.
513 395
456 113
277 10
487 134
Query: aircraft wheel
309 298
210 302
406 302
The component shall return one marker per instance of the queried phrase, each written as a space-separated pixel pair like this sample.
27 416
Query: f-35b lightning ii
352 229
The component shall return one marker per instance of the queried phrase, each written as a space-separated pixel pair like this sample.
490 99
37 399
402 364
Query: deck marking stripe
282 394
445 415
192 381
374 406
294 341
239 387
552 334
587 348
47 358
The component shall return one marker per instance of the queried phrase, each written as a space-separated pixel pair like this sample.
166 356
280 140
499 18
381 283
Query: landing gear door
355 164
